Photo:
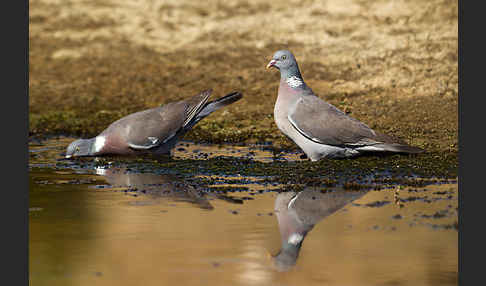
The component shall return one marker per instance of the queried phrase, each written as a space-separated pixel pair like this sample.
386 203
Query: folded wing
323 123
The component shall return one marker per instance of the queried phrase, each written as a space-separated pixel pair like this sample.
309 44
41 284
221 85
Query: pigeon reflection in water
157 186
298 212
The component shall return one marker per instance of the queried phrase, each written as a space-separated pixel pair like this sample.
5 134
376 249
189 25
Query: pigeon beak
268 255
271 64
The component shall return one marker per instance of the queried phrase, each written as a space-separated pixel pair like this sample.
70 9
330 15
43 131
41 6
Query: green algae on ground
227 163
353 174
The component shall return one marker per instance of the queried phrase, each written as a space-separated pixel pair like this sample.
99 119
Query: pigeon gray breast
152 131
320 129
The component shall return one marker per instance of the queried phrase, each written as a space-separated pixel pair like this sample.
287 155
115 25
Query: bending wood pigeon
162 186
155 186
155 131
297 214
319 128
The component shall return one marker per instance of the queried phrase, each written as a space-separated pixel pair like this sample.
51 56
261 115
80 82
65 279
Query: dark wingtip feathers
229 98
220 102
401 148
411 149
207 92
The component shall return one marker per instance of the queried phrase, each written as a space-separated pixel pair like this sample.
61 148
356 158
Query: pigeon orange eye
284 57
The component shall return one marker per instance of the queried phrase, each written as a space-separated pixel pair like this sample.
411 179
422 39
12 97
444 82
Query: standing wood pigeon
154 131
319 128
297 214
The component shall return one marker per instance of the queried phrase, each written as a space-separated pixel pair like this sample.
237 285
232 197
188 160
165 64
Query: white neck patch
295 238
99 143
294 81
100 171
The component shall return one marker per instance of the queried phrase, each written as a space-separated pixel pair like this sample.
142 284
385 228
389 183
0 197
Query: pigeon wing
153 127
323 123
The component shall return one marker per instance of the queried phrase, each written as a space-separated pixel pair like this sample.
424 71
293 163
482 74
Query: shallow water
100 223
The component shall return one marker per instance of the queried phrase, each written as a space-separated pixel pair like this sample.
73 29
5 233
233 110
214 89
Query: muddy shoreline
283 167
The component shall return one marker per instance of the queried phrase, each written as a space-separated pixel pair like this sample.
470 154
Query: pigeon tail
393 144
400 148
219 103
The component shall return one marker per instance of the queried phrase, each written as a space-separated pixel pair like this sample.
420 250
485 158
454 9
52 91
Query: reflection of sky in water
252 270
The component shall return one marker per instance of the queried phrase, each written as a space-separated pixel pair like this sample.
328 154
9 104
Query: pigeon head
286 258
80 147
284 61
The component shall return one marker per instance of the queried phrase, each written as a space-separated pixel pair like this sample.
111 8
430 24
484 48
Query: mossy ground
394 69
362 173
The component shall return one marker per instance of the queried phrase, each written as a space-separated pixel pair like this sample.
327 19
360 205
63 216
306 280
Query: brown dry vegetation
391 64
